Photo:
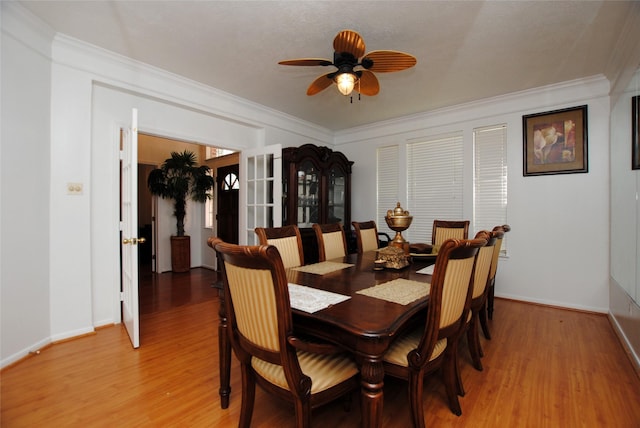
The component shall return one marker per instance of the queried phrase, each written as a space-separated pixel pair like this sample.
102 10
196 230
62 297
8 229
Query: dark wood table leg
372 381
224 351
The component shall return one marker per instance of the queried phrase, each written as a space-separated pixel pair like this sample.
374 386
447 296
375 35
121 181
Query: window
490 178
388 177
436 180
230 182
434 183
215 152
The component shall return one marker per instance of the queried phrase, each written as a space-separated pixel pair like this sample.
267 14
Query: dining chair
492 280
449 229
481 277
287 240
332 242
367 236
434 344
306 374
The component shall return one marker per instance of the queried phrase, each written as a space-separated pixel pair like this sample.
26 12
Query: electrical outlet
74 188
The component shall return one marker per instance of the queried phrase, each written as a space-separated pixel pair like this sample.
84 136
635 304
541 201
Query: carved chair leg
248 396
450 375
416 386
473 341
483 321
490 301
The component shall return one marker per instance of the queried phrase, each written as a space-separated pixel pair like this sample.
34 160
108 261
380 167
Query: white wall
557 249
24 185
68 100
625 225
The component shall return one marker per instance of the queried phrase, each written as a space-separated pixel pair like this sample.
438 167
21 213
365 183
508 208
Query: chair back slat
333 245
444 233
369 240
287 240
483 264
455 289
499 235
366 235
332 242
252 292
288 248
449 229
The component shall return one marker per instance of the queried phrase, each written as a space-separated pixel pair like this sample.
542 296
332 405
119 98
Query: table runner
322 268
401 291
309 299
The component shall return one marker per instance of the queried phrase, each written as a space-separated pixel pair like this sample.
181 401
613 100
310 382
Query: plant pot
180 253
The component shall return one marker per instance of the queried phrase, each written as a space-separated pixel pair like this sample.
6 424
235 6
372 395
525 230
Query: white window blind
434 180
490 178
388 185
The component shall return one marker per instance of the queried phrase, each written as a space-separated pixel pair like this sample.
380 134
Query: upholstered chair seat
325 370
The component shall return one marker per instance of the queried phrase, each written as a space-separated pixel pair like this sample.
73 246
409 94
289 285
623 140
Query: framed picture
635 132
555 142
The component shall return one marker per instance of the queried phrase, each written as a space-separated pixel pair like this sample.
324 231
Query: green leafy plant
180 178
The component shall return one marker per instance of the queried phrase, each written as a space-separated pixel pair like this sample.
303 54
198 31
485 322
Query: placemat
322 268
427 270
311 299
401 291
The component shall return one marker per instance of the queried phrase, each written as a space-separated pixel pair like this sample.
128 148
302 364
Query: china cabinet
316 189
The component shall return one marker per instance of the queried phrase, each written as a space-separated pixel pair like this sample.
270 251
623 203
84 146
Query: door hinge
122 296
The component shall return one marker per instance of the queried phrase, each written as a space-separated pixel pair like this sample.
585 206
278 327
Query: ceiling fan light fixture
345 82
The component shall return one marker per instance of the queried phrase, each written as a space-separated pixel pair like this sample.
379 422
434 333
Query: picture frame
635 132
555 142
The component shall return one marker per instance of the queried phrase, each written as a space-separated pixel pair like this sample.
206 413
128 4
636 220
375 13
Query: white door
129 229
260 191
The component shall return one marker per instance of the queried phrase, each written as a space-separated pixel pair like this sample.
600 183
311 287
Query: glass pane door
308 194
336 205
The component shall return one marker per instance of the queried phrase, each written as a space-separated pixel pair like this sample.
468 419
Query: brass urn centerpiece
399 220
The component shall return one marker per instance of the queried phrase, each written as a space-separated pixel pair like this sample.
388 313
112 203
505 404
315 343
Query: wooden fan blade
349 41
306 61
368 84
320 84
389 61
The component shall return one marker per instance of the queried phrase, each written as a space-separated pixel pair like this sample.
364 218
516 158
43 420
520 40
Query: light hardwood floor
545 367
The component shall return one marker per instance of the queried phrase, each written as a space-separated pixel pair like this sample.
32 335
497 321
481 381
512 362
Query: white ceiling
465 50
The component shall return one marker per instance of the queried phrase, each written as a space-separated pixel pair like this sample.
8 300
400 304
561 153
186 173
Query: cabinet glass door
308 194
336 206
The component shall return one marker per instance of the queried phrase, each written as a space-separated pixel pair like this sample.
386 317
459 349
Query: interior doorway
146 251
228 190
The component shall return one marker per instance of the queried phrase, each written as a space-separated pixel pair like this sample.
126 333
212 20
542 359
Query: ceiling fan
355 70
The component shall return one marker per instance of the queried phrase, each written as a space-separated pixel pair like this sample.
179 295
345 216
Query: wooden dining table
364 326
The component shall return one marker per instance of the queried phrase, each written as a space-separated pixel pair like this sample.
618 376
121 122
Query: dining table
347 302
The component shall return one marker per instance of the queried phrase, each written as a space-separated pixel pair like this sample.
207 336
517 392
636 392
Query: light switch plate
74 188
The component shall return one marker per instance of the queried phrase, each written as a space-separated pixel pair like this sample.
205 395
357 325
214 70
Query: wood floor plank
545 367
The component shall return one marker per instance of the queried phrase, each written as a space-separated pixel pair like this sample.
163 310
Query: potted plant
180 178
